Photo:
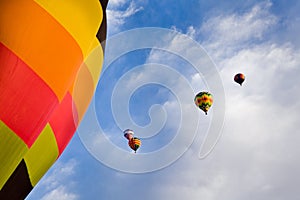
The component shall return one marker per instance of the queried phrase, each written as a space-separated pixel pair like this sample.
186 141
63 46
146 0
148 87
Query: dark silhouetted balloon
239 78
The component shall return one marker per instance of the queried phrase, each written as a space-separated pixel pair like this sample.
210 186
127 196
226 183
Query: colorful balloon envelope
203 100
51 57
134 143
128 133
239 78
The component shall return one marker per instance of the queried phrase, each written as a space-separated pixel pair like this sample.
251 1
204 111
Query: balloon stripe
84 86
18 185
41 155
51 46
28 101
63 122
87 79
12 151
83 26
94 61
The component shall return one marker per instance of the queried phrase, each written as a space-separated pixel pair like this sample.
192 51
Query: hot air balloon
203 100
128 133
51 57
239 78
134 143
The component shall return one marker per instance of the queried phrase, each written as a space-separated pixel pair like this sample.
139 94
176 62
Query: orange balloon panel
51 58
134 143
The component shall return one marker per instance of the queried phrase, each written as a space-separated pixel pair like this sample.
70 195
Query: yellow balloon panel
11 153
83 26
41 42
41 155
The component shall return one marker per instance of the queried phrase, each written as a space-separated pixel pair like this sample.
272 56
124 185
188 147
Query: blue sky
257 155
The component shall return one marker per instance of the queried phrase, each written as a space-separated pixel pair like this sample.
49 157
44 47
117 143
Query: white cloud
231 32
116 3
117 17
60 172
56 184
267 67
60 193
257 156
191 31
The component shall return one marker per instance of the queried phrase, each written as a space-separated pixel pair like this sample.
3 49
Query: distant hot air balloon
128 133
204 101
51 57
134 143
239 78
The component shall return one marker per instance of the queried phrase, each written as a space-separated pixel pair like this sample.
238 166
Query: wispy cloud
257 157
118 13
232 31
116 3
57 183
60 193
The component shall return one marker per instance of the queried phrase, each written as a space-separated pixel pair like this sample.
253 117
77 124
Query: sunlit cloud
60 193
252 159
225 34
116 16
57 184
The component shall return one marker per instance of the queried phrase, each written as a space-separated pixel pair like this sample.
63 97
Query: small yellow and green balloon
133 142
204 100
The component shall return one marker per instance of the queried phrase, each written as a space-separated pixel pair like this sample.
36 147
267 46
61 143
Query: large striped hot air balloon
203 100
50 62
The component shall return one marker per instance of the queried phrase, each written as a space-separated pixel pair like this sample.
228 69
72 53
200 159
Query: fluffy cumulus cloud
257 155
116 3
226 34
117 13
240 27
60 193
57 184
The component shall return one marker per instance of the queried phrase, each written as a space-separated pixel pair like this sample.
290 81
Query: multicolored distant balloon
134 144
128 134
51 57
203 100
239 78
